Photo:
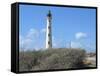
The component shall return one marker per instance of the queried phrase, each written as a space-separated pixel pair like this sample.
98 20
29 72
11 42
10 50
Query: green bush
51 59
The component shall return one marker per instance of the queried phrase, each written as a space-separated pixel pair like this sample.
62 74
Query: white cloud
25 42
56 42
75 45
80 35
21 40
54 45
32 32
43 30
29 39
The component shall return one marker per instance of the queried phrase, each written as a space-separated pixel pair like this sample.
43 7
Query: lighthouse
49 31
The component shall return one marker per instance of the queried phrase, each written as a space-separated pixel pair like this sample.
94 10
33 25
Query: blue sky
75 27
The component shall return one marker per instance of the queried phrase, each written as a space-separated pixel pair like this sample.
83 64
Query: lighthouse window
48 42
49 27
48 34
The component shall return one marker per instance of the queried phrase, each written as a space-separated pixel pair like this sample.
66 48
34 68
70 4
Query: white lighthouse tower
49 31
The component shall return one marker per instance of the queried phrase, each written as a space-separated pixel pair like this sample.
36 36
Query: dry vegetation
52 59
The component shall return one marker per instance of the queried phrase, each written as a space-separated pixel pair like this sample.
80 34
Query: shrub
27 60
52 59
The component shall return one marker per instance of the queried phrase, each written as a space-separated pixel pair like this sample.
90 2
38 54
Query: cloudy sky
71 27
